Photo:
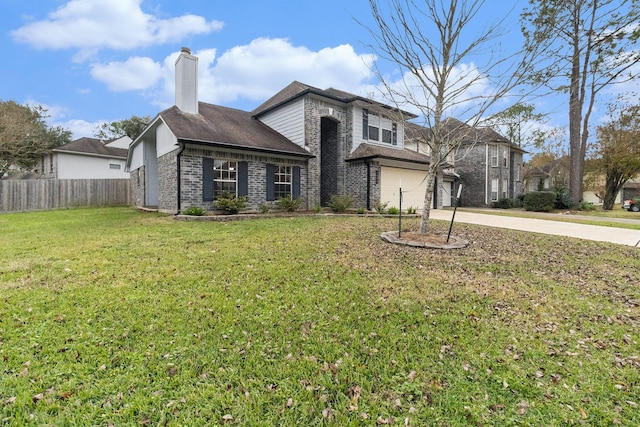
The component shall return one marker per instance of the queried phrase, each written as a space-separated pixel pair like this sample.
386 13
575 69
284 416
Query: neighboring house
86 158
304 142
551 175
489 165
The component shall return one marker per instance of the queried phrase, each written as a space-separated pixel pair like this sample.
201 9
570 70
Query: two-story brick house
489 165
303 141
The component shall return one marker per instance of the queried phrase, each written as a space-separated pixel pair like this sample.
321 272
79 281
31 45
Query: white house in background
86 158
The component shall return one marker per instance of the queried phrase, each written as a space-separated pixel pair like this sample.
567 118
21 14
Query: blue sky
90 61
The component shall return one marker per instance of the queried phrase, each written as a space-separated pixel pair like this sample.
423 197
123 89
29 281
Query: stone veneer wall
314 110
167 183
138 186
356 183
191 171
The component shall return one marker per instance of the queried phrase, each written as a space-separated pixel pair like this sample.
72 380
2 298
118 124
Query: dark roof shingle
92 146
368 151
224 126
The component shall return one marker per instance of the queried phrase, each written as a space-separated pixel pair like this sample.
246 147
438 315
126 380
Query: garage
414 184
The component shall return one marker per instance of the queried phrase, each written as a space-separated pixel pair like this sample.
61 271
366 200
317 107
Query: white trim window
494 155
494 190
505 157
282 181
379 129
505 188
225 177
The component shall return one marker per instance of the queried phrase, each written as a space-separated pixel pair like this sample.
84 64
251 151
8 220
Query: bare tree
449 68
589 45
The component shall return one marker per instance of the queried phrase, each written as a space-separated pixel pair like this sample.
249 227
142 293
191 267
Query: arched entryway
328 159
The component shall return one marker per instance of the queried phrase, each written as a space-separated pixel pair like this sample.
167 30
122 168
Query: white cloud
252 72
136 73
117 24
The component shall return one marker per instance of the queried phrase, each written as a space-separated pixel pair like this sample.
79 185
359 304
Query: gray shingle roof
228 127
369 151
92 146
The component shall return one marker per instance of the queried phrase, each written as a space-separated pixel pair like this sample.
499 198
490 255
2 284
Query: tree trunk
428 197
612 187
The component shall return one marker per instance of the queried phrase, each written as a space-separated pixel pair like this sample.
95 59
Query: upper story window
494 155
378 129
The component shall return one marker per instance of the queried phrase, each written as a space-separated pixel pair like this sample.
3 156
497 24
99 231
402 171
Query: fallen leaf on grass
226 418
9 401
583 413
385 421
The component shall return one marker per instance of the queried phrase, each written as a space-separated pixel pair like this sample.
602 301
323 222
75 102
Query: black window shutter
296 182
271 187
365 124
243 179
207 179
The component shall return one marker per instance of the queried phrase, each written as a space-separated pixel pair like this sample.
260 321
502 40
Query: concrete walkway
622 236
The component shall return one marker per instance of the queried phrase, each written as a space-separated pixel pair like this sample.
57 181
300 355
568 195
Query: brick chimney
187 82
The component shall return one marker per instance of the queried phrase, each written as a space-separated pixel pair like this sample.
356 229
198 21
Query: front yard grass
116 317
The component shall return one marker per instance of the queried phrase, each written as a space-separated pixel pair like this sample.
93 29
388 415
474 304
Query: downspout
486 174
367 162
178 171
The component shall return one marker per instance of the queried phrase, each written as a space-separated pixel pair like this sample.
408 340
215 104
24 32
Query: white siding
137 158
288 120
357 132
72 166
166 140
122 142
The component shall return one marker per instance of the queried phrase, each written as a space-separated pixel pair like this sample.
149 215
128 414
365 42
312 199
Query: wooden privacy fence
44 194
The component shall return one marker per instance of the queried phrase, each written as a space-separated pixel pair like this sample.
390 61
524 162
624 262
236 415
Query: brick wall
191 171
338 146
167 183
137 186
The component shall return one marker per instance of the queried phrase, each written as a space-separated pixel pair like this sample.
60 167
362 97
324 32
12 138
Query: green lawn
117 317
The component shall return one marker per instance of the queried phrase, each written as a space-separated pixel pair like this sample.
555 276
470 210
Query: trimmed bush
539 201
289 203
340 204
411 210
393 210
503 204
230 204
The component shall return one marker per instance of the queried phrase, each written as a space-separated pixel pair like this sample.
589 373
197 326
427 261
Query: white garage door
414 184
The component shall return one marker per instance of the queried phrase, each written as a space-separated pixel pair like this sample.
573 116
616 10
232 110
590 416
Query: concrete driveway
622 236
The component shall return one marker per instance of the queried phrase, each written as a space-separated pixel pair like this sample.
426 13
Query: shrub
563 201
230 204
289 203
539 201
586 206
380 207
393 210
505 203
411 210
340 204
361 211
193 211
317 209
264 208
